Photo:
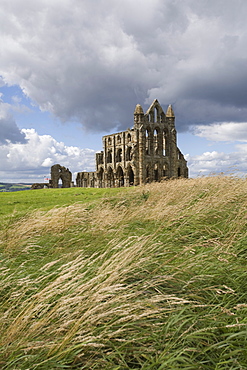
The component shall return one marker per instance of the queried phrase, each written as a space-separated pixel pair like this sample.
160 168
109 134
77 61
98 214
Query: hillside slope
150 277
4 186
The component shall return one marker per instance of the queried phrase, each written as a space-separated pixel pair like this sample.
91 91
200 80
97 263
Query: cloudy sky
72 71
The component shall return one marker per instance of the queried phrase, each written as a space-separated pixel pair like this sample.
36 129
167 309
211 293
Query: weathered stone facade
148 152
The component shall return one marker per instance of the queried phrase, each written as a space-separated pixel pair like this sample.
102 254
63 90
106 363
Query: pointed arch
131 176
157 141
118 139
100 177
165 143
60 176
156 114
110 178
165 170
119 155
60 182
128 154
109 156
120 176
148 140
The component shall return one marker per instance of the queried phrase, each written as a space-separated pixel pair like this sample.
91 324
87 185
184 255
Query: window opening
128 154
109 157
147 142
155 115
119 155
165 173
156 175
156 146
165 146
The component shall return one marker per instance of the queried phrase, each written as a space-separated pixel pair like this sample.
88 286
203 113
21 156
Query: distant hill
5 186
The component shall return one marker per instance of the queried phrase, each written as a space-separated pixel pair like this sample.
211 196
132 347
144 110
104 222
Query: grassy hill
146 278
6 187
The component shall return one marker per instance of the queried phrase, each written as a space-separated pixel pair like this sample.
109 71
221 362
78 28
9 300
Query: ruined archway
156 173
131 176
109 156
100 177
165 171
110 178
60 173
120 176
128 153
119 155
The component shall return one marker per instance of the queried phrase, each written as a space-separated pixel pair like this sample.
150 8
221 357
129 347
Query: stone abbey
145 153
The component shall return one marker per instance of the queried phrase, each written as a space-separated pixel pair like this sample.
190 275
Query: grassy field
145 278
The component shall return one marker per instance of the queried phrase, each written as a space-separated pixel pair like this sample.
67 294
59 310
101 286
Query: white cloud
48 162
225 131
31 161
242 147
218 162
232 134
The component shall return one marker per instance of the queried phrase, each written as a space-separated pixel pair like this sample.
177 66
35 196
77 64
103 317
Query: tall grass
150 278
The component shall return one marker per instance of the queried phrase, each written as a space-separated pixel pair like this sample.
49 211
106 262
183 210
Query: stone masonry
148 152
60 173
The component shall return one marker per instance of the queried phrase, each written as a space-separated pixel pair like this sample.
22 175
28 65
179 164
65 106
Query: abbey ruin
145 153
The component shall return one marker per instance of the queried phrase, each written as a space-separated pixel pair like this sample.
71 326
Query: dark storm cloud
93 61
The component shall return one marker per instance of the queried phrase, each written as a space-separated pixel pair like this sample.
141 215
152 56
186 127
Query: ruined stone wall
59 172
86 180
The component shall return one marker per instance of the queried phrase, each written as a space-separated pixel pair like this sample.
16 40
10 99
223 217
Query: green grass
16 204
145 278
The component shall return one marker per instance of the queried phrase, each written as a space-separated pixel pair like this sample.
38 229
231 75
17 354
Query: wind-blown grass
150 278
